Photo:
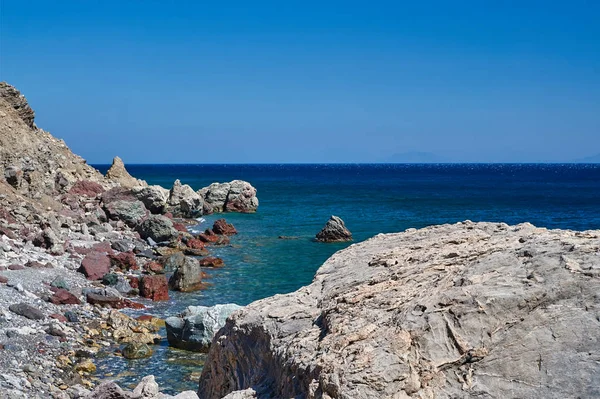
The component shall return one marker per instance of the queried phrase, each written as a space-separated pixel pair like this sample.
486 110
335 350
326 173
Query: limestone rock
471 310
118 174
334 231
196 327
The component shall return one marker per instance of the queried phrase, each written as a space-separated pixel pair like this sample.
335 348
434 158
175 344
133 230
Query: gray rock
26 310
187 277
196 327
472 310
131 212
122 245
18 102
235 196
154 197
334 231
184 201
157 227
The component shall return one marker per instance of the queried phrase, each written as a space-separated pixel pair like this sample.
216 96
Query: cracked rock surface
467 310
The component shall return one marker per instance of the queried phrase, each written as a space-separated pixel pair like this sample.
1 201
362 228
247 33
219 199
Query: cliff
455 311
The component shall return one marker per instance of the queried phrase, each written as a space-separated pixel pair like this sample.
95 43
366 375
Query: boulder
154 287
125 261
187 277
86 188
470 310
215 195
222 227
95 265
63 297
195 328
158 228
184 201
155 198
28 311
334 231
235 196
118 174
172 262
136 350
146 389
131 212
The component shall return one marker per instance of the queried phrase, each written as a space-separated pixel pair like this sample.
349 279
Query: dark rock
27 311
334 231
136 350
122 246
172 262
211 261
87 188
16 267
154 287
64 297
95 265
158 228
110 279
222 227
187 277
72 317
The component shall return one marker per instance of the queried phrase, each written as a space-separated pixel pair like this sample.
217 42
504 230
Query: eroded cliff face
31 160
468 310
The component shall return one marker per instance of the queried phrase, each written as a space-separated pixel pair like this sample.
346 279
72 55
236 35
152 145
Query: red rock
95 265
16 267
87 188
3 279
180 227
58 317
222 227
124 261
134 281
154 287
208 236
6 215
64 297
168 215
145 317
155 267
211 261
103 246
195 243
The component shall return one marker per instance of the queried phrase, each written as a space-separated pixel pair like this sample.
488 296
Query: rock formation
454 311
235 196
334 231
118 174
196 327
146 389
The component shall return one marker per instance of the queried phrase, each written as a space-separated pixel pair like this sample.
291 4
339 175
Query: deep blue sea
297 200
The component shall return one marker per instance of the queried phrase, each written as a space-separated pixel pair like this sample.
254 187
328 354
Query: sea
297 200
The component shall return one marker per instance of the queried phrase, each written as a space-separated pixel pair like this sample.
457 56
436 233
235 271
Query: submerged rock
136 350
334 231
196 327
464 310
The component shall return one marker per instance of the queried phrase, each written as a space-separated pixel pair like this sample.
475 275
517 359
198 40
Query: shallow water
296 200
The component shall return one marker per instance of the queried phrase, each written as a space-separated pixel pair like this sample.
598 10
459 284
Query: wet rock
187 277
64 297
154 287
95 265
136 350
117 173
334 231
28 311
86 366
211 261
195 328
155 198
222 227
158 228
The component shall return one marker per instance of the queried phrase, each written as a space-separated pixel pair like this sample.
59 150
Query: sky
303 81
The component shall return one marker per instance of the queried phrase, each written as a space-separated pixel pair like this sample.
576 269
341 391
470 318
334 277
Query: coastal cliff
467 310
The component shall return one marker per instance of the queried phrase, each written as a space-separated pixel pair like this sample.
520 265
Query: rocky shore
77 246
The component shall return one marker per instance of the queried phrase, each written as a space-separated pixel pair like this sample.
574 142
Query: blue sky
195 82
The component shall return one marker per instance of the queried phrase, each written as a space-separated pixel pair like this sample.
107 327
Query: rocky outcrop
334 231
235 196
195 328
32 161
468 310
154 197
118 174
184 201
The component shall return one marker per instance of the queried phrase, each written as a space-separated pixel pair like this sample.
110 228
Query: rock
245 394
195 328
59 282
118 174
3 279
147 388
334 231
64 297
155 198
122 246
18 102
154 268
184 201
187 277
222 227
126 330
28 311
109 390
236 196
465 310
211 261
13 176
158 228
172 262
131 212
86 366
136 350
16 267
87 188
95 265
154 287
124 261
72 317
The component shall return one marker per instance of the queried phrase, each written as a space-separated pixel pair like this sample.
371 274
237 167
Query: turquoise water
296 200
